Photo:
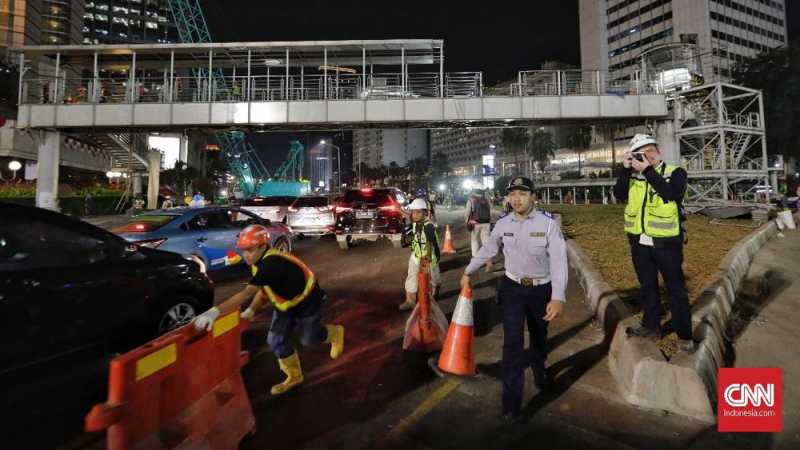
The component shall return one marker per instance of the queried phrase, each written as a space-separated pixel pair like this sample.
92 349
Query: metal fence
335 86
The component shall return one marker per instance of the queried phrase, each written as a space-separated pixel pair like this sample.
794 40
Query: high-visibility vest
279 302
420 244
647 212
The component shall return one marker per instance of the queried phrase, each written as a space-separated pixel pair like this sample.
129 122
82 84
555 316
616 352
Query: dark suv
368 214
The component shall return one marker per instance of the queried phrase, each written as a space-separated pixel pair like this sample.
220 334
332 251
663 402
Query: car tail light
391 208
151 243
341 209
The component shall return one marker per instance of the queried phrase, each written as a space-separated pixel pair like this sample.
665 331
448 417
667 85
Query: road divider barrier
182 390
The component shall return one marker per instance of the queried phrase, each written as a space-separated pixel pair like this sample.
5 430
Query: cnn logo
749 400
740 395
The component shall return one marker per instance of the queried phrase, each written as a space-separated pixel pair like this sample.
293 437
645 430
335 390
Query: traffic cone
457 355
448 241
425 327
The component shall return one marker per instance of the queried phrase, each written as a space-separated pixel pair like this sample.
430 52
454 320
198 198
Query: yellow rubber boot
294 374
336 339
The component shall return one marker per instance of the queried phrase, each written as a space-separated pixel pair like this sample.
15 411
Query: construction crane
240 154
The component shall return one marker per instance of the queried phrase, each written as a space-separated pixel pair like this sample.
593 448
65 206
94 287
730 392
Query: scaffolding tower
719 129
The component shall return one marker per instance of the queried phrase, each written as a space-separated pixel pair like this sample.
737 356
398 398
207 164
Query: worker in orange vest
287 283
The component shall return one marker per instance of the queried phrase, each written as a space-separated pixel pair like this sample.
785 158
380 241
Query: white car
311 216
272 208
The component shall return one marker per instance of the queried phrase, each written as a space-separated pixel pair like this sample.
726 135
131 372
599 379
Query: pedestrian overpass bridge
302 86
119 90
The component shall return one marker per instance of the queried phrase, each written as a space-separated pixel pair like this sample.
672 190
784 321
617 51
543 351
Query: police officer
654 191
532 288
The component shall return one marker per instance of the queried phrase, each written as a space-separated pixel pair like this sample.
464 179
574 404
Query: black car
72 295
370 214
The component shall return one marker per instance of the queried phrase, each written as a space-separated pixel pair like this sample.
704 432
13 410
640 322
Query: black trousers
521 304
648 262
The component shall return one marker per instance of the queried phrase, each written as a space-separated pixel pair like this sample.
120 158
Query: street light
338 164
14 166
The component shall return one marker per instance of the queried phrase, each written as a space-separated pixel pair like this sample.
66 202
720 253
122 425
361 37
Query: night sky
498 38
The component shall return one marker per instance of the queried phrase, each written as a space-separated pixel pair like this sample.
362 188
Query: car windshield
269 201
145 223
380 197
304 202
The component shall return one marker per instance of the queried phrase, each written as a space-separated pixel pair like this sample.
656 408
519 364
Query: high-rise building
19 23
615 32
128 21
61 22
378 147
465 147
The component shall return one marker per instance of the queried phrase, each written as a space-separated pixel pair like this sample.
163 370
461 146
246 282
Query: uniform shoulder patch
547 214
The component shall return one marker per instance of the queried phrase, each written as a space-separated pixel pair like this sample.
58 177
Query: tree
541 147
777 74
609 133
179 177
515 140
440 164
580 140
418 169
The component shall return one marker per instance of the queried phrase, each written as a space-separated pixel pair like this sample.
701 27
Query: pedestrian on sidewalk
286 282
425 252
478 217
654 192
532 290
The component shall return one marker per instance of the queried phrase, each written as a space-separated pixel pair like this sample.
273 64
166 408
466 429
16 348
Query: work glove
206 320
248 314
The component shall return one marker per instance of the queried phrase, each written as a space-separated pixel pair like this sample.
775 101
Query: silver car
274 208
311 216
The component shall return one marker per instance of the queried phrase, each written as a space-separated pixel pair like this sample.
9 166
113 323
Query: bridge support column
154 170
49 155
605 201
137 183
560 196
547 195
574 195
668 142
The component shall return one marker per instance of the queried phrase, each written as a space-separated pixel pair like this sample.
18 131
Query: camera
639 157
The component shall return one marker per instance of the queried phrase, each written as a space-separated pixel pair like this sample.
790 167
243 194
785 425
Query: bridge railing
336 86
576 82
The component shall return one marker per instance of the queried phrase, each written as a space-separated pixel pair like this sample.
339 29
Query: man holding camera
654 192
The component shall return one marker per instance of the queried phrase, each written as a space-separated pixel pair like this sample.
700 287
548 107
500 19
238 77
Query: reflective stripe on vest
661 219
279 302
419 244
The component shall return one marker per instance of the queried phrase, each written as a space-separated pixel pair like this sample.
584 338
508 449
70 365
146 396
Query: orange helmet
253 236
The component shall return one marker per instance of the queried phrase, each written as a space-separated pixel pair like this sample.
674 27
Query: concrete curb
687 384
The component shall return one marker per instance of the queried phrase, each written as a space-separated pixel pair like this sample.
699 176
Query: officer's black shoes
642 331
542 379
513 419
687 345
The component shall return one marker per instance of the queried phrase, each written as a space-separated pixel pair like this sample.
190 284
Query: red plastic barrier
183 390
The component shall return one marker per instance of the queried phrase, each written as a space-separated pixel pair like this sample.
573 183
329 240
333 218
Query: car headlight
199 262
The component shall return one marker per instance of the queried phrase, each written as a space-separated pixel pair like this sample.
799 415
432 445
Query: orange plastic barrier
183 390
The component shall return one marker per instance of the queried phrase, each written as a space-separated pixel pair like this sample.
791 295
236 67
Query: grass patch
599 230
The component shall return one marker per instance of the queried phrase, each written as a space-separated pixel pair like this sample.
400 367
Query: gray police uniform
536 272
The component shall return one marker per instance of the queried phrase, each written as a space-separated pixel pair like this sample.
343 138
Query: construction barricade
183 390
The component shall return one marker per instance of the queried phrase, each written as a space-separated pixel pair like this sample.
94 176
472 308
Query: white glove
206 320
248 314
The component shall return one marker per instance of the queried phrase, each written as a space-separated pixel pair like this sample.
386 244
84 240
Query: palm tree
541 147
580 140
515 140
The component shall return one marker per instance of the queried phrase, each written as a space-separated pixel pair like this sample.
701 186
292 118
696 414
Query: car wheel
176 313
282 245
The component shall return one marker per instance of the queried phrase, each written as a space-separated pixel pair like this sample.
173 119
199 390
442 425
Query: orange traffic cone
457 355
448 241
425 327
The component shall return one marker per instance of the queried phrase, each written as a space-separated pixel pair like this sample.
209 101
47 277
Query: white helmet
418 204
640 140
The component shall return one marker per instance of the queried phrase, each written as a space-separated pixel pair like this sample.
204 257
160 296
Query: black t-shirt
284 277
